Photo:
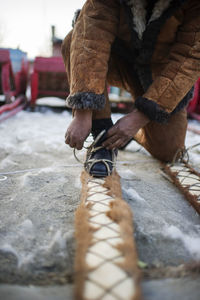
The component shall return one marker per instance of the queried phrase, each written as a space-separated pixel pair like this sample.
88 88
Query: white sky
27 23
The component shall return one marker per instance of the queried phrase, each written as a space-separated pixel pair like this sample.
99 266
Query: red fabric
194 105
4 56
19 80
11 113
47 78
34 87
49 64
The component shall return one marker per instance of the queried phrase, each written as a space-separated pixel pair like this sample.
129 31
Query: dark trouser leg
101 119
164 140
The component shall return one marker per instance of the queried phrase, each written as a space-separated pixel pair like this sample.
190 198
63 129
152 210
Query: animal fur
119 213
86 101
139 12
91 63
152 110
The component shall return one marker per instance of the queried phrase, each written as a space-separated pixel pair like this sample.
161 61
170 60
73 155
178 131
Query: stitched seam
181 66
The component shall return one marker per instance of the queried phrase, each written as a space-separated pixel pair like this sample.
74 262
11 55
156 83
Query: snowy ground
39 192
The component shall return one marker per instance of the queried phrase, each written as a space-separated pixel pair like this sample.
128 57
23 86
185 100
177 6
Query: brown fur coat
157 61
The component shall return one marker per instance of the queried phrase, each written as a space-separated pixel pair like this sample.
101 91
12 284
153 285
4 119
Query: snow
134 195
191 243
51 101
193 139
38 133
8 249
36 192
27 234
127 174
38 137
2 178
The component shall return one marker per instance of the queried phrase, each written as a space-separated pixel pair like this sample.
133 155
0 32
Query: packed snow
39 138
192 244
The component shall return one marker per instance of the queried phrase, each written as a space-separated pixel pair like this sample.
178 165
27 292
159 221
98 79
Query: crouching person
151 48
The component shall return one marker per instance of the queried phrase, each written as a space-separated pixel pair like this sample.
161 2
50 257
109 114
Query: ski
187 180
106 259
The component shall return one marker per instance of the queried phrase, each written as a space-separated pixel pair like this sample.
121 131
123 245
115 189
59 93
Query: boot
100 161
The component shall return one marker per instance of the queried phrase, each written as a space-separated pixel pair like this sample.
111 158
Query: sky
27 23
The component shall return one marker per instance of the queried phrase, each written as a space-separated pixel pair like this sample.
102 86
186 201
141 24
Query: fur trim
139 15
159 8
139 12
184 102
192 198
76 14
152 110
138 9
142 49
86 100
120 214
155 113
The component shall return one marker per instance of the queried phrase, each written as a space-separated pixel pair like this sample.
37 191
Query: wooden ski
187 180
106 259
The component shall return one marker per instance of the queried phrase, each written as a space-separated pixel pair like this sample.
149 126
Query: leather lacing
89 161
185 177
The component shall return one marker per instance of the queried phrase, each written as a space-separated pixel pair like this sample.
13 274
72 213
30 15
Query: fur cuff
86 100
152 110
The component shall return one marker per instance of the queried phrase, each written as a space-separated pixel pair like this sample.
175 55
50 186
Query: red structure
56 42
7 77
13 81
194 105
48 78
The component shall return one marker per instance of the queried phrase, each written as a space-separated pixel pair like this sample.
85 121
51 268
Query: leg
104 113
164 140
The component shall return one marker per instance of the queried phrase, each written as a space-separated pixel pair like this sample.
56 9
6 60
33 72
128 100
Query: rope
90 162
185 177
183 153
104 276
87 148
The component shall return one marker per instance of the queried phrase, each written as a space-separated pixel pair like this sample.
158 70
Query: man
151 48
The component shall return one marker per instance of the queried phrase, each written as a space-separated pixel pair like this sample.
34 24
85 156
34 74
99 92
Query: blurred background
39 176
26 24
31 66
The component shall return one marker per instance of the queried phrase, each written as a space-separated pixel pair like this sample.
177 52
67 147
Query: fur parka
161 55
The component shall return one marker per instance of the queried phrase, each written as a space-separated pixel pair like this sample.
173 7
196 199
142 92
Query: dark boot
100 161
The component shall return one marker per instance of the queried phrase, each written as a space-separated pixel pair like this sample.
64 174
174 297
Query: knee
169 153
